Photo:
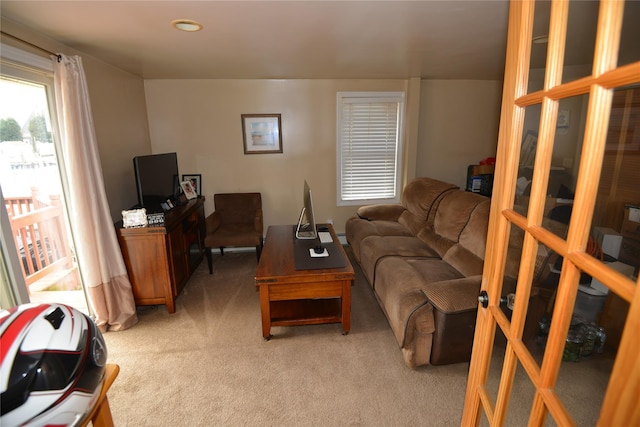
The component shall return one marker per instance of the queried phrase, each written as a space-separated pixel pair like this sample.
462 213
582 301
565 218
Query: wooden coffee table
291 297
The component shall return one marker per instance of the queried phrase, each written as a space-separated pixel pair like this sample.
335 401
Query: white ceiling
281 39
309 39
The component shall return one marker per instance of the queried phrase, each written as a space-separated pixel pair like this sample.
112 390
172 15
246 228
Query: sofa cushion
359 229
374 248
474 235
420 194
421 198
433 270
454 212
464 261
436 242
400 295
461 218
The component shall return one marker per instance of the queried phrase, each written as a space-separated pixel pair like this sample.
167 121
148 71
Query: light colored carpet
207 365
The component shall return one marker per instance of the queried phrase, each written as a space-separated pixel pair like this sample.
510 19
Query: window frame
390 96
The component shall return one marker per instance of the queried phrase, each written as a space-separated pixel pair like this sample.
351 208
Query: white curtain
101 265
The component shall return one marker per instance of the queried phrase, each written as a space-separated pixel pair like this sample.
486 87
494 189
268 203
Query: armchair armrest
454 296
381 212
257 220
212 222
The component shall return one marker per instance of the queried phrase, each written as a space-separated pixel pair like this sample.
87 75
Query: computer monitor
306 228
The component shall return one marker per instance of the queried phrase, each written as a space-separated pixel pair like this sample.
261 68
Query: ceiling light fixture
540 40
186 25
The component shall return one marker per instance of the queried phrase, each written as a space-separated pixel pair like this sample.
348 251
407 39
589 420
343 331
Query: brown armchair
237 221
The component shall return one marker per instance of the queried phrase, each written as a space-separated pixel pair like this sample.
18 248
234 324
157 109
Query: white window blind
369 146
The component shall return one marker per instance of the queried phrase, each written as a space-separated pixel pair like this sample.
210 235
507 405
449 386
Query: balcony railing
40 235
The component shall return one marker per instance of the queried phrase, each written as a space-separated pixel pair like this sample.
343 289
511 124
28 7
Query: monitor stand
302 230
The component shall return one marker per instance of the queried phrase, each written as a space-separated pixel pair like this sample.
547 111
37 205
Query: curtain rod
32 45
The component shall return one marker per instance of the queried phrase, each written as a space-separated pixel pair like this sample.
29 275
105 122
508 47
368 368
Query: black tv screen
157 179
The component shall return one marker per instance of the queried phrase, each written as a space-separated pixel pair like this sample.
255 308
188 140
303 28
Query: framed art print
261 133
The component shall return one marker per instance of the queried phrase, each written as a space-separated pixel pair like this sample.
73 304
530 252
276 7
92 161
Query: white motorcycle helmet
52 365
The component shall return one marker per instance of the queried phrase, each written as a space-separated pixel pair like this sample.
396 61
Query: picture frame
189 191
262 133
196 182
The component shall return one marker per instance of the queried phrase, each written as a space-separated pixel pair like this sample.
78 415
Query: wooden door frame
620 406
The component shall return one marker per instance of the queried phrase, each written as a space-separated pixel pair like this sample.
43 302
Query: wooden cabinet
160 260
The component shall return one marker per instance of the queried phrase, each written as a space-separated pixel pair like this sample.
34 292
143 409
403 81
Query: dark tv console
160 259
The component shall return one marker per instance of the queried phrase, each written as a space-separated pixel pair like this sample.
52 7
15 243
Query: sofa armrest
454 296
381 212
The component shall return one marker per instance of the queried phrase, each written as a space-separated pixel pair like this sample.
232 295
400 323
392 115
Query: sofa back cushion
454 213
421 198
459 231
467 255
474 235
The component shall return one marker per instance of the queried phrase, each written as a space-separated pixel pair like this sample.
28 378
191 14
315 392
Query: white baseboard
342 238
216 251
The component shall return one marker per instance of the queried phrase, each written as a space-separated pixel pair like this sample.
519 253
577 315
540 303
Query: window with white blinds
369 147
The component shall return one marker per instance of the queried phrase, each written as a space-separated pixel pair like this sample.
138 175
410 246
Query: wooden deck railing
40 236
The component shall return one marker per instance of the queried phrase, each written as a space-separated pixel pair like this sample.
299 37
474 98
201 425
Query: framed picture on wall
195 180
261 133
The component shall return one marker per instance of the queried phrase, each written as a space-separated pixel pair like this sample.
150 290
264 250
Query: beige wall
449 124
458 126
120 120
200 120
119 113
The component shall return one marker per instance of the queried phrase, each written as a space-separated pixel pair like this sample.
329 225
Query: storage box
621 267
631 222
609 240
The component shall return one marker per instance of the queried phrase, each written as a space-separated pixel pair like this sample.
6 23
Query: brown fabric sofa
423 259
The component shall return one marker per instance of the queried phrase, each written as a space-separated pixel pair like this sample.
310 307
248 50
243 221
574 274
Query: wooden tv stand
161 259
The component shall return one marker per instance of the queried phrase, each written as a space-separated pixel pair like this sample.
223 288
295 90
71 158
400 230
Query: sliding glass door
37 241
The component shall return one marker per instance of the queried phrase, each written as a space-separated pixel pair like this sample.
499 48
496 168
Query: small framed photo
196 182
189 191
262 133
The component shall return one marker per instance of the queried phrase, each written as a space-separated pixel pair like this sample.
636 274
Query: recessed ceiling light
540 40
186 25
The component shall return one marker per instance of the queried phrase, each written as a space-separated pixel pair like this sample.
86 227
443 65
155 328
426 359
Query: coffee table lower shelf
305 311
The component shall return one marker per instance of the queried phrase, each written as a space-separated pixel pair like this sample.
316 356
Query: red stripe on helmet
17 325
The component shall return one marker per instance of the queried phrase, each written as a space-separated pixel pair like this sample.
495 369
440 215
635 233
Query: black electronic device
157 180
306 228
155 219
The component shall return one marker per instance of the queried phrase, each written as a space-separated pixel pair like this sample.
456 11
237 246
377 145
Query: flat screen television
306 228
157 180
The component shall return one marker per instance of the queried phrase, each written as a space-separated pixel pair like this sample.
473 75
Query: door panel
33 200
569 112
